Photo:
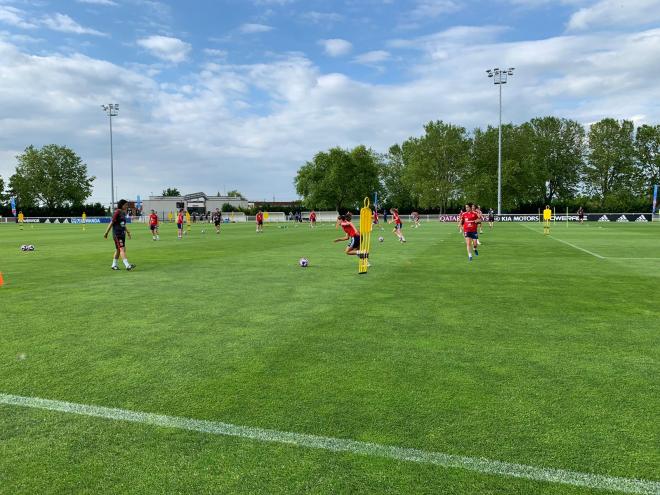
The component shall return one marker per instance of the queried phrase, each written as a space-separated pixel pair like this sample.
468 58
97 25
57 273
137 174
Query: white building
194 203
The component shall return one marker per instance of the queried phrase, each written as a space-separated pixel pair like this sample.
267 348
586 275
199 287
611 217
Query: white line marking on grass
633 258
567 243
479 465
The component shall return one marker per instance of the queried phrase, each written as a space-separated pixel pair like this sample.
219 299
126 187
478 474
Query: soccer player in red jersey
352 234
179 224
260 221
459 220
477 208
153 225
375 216
119 232
312 219
398 224
470 226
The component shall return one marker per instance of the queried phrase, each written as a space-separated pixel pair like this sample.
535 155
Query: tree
2 190
53 176
555 156
171 191
435 163
647 151
610 163
338 178
396 191
235 194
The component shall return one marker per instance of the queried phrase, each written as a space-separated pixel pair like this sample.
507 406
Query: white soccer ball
381 239
304 262
24 247
30 247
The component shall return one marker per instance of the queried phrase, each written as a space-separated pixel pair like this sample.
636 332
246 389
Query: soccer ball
304 262
381 239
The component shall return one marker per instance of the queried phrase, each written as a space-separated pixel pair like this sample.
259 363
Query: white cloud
251 126
321 17
109 3
373 57
430 9
336 47
250 28
440 46
273 2
215 53
166 48
64 23
615 13
15 17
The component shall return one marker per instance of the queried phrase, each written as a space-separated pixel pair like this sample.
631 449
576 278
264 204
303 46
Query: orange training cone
1 280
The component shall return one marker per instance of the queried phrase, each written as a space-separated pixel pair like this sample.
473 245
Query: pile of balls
27 247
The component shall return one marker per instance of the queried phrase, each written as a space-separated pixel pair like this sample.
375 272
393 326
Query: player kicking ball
119 232
398 225
153 226
352 234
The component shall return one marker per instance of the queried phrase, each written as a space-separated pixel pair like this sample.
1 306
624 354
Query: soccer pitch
221 366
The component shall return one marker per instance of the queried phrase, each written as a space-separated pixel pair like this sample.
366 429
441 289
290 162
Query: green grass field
538 352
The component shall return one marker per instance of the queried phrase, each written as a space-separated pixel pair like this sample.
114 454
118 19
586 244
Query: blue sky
218 95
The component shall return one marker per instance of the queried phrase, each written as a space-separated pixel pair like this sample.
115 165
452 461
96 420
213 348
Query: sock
114 262
126 263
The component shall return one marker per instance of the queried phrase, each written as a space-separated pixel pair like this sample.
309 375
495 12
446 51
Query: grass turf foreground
536 353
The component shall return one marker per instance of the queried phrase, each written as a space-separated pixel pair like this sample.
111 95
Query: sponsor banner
619 217
594 217
91 220
517 218
74 220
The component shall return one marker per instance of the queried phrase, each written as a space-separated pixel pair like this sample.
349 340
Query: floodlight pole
112 110
500 77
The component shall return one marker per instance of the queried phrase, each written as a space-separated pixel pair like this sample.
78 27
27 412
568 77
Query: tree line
51 180
611 165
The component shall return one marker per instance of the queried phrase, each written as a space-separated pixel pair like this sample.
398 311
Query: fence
329 216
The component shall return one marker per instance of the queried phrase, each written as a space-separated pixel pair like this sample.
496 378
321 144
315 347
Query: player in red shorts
398 225
470 226
153 225
312 219
119 232
352 234
260 221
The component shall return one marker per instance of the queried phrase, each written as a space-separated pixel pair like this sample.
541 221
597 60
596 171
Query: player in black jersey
119 232
217 219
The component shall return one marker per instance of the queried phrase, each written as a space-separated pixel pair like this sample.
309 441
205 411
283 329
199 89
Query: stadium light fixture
500 77
111 110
